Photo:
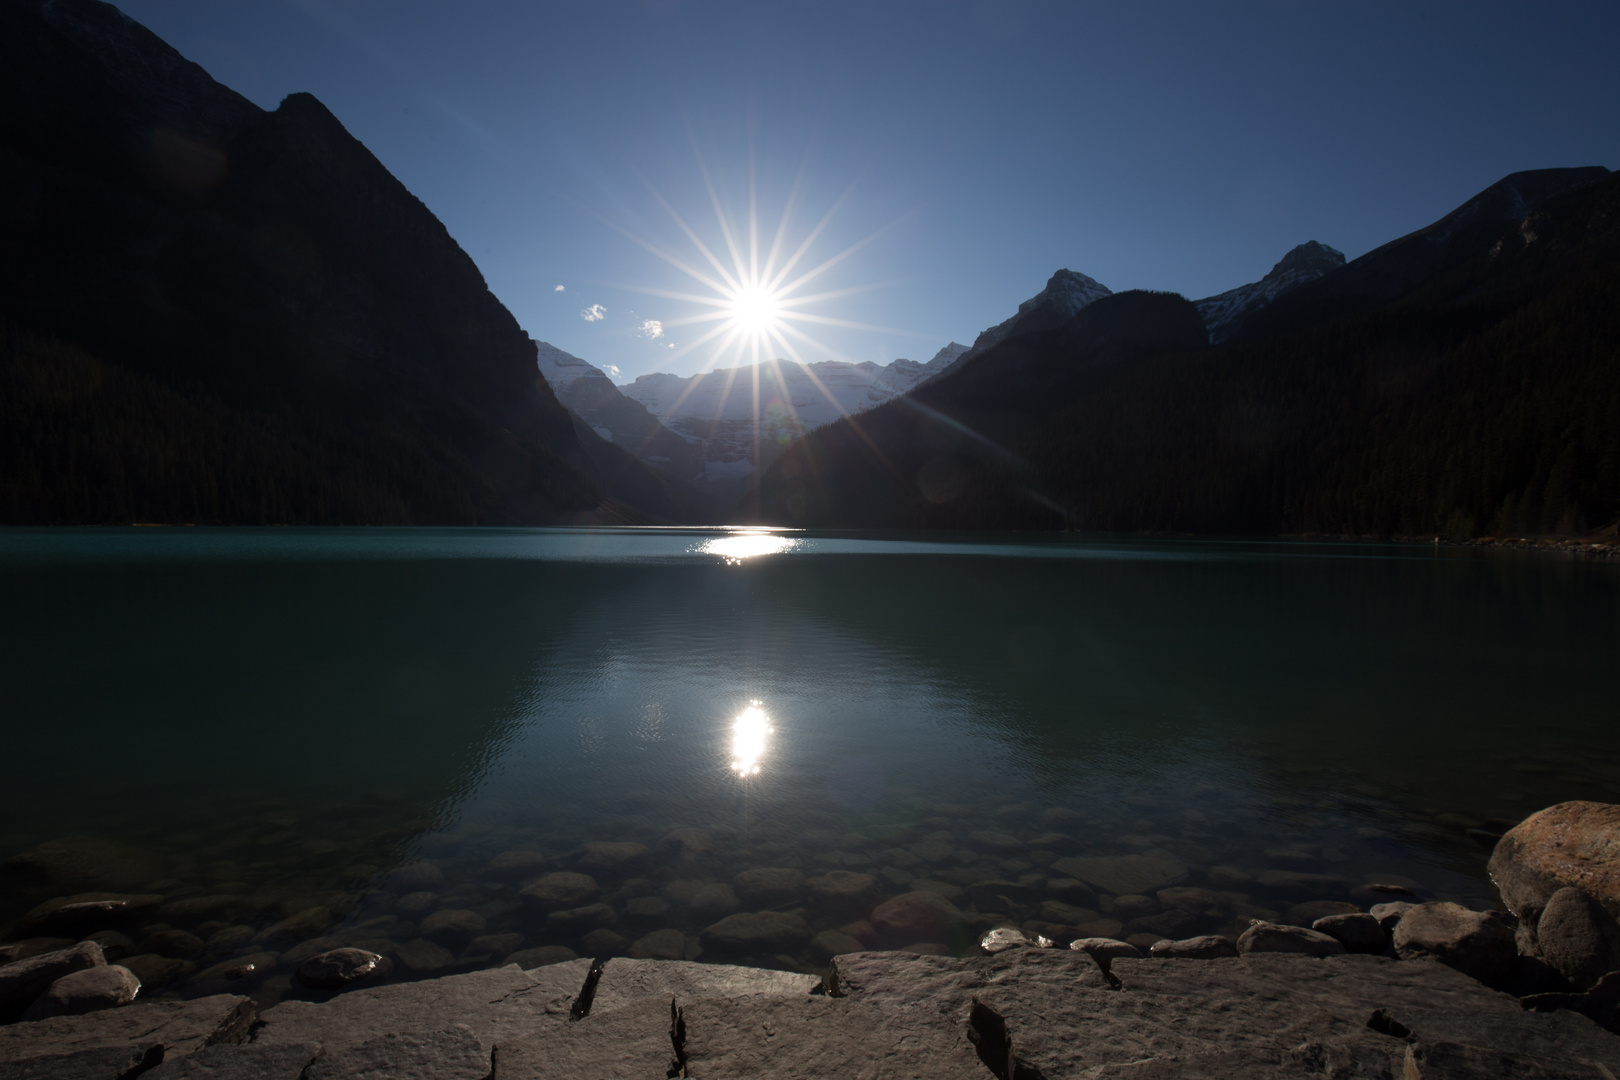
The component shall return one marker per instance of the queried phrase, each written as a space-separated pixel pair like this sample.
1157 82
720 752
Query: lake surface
384 735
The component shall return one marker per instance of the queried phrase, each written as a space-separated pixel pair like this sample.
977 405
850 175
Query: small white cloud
611 369
594 313
652 328
671 345
559 289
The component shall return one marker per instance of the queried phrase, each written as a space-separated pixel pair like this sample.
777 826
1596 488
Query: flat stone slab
454 1054
242 1061
498 1004
633 1042
1280 1015
945 985
179 1027
630 982
102 1063
815 1037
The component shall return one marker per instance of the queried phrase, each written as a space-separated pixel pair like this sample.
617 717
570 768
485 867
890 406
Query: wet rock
919 916
1307 913
114 944
686 841
1000 895
648 909
1473 942
24 980
1381 892
713 900
1002 938
90 990
933 851
560 891
416 877
1572 843
498 1004
451 1054
755 933
830 943
83 860
172 943
1105 950
1358 931
13 951
1388 914
452 926
156 972
666 944
313 947
843 890
85 913
1073 891
235 975
1130 905
244 1061
1578 937
632 1042
604 942
417 904
516 865
197 908
543 956
816 1036
999 842
770 886
175 1028
1204 947
613 854
338 968
493 945
423 957
580 919
953 893
305 924
1142 873
1297 883
1266 937
1058 912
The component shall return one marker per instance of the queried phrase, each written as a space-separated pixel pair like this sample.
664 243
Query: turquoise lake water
363 722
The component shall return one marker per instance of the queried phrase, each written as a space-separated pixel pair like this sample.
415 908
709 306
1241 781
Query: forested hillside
1482 398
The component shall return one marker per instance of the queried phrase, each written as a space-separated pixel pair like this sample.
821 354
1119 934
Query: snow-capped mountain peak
1307 262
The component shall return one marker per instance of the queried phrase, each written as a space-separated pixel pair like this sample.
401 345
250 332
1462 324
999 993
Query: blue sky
965 151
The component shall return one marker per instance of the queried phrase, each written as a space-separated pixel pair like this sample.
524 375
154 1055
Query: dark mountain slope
1482 399
269 264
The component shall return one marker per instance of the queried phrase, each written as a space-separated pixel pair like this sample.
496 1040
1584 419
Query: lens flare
748 739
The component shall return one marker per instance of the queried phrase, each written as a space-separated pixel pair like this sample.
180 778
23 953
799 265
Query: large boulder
756 932
561 891
1572 843
1476 943
105 986
919 916
1578 938
25 980
1266 937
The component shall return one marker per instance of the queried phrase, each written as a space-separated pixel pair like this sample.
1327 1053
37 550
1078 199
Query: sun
755 309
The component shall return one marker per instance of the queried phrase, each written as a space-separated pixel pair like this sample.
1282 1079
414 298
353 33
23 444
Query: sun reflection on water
748 734
737 546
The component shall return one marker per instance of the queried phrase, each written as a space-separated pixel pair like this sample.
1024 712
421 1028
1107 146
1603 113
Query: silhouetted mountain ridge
1460 381
268 262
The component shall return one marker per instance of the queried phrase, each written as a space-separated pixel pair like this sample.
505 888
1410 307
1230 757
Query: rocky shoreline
1404 989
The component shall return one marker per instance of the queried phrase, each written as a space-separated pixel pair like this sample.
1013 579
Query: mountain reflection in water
1121 738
